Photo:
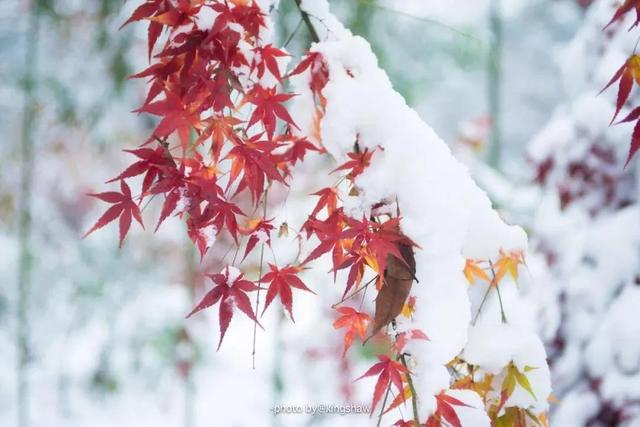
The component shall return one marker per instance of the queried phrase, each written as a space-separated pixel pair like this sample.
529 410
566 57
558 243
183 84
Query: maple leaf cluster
223 137
206 154
223 133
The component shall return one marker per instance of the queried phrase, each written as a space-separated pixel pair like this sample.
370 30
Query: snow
442 209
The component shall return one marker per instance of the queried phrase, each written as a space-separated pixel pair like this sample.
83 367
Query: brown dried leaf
398 278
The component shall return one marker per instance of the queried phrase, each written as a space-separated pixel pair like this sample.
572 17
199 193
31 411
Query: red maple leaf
627 73
280 283
635 135
250 17
403 337
231 292
318 69
269 107
151 161
296 150
224 214
389 372
123 207
256 161
329 233
176 116
219 129
266 57
257 229
328 198
376 241
445 411
356 262
146 11
355 322
358 162
625 8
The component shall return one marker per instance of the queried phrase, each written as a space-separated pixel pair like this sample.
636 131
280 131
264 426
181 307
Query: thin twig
255 324
421 18
293 33
305 17
354 293
384 403
414 397
504 318
486 294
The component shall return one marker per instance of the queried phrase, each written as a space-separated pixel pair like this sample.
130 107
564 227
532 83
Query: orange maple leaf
472 271
356 323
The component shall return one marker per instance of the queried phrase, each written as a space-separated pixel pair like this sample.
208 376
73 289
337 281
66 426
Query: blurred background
511 85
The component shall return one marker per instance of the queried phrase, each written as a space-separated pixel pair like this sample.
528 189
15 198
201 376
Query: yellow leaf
508 263
633 64
409 307
400 399
473 271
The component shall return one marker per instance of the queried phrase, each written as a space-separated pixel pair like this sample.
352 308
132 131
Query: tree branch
307 21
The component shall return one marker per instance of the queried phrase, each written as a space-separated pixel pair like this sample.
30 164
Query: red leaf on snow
280 283
123 207
357 164
389 372
318 69
355 322
230 295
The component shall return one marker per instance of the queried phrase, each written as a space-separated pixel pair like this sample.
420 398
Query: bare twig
493 273
255 325
384 403
305 17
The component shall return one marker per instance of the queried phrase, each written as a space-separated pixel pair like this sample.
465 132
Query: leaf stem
384 403
355 292
484 299
414 396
